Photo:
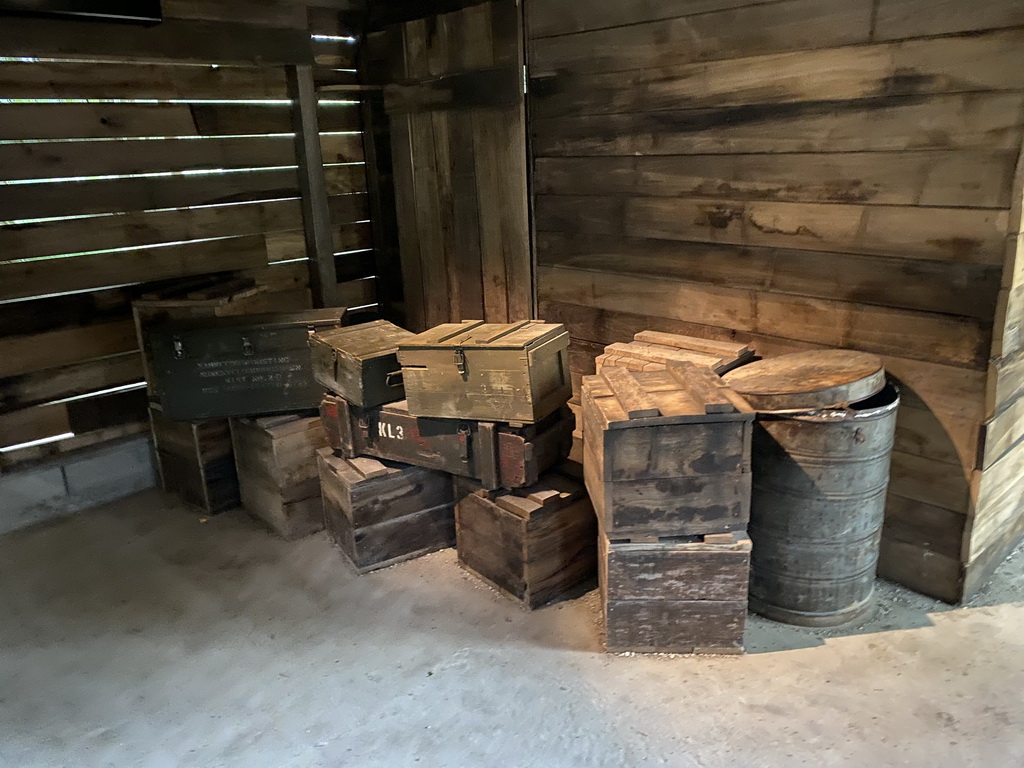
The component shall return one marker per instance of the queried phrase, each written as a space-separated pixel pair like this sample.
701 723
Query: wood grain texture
794 25
917 18
984 120
174 40
938 234
547 19
31 278
77 80
943 178
960 289
830 323
914 69
78 198
49 160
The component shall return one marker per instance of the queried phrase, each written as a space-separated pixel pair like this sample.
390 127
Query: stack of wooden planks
797 175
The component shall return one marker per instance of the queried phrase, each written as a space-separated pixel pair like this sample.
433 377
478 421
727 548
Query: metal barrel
819 490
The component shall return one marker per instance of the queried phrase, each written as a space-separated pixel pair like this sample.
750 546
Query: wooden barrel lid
808 381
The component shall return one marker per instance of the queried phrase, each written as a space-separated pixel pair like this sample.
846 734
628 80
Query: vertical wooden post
316 213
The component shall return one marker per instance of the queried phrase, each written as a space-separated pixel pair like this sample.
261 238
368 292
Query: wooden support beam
316 214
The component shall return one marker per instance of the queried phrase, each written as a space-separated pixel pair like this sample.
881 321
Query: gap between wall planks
230 133
804 174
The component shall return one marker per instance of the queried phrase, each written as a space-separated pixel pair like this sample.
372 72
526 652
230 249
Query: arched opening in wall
928 504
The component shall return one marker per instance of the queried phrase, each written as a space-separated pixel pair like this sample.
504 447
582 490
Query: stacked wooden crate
484 404
379 512
195 459
667 464
276 459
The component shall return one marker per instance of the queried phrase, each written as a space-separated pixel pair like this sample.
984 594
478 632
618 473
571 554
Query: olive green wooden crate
360 363
501 372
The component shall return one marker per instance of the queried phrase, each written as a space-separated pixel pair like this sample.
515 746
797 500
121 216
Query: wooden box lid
553 491
681 394
471 334
362 468
805 381
360 342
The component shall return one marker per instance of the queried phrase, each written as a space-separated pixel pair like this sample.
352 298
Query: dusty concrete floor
136 635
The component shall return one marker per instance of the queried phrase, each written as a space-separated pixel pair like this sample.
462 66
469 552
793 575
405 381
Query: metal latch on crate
460 360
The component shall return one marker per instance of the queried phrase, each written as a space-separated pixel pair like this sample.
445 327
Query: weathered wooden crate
381 513
276 458
488 372
667 453
654 351
533 544
685 595
195 461
238 366
496 455
360 363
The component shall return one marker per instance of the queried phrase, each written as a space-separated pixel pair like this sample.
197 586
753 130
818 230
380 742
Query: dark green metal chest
238 366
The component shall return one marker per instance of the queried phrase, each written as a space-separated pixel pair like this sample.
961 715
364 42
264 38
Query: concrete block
109 473
75 483
30 496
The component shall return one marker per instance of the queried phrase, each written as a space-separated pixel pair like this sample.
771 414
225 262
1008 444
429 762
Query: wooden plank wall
455 104
133 156
798 174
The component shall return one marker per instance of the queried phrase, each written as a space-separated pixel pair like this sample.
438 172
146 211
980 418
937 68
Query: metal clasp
247 348
464 433
460 361
179 348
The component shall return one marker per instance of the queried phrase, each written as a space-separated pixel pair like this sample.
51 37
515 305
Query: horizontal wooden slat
267 13
85 415
888 331
924 525
956 179
957 289
92 80
558 18
336 54
917 68
941 234
919 433
151 227
999 498
175 40
24 354
139 193
90 121
90 158
921 569
230 120
68 381
1003 433
786 26
927 481
916 18
984 120
357 293
22 279
282 246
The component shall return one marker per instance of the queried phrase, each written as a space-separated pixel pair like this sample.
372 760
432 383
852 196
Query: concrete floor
138 635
